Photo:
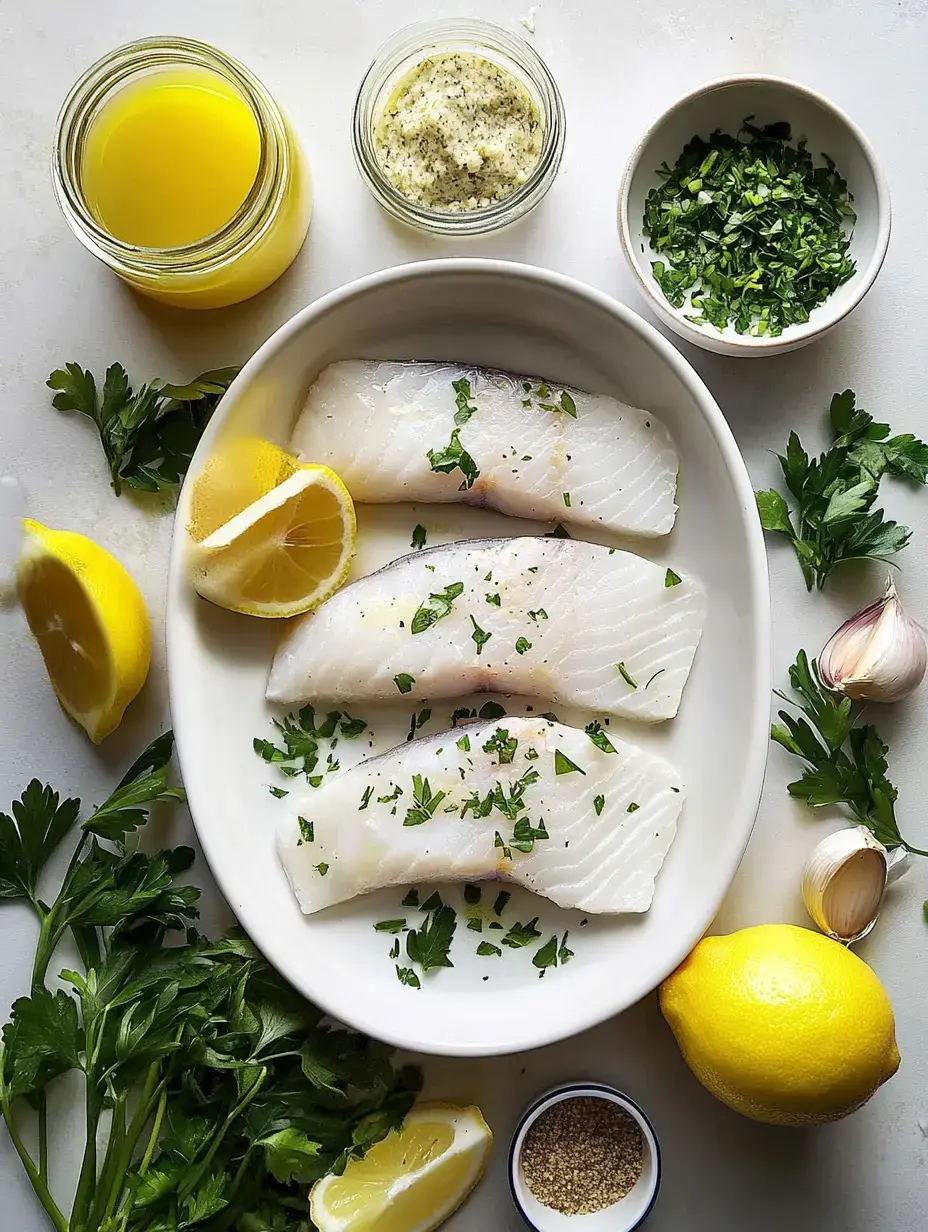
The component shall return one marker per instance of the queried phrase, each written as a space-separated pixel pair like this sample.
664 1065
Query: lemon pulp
73 648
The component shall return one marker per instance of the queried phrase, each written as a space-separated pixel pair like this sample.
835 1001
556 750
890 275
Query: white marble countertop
618 64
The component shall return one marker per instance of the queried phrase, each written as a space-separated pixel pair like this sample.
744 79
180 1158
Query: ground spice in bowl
582 1155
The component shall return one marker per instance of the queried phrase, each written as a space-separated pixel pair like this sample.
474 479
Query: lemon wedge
271 536
412 1180
90 621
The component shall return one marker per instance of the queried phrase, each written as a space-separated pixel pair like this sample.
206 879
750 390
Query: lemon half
90 621
412 1180
272 537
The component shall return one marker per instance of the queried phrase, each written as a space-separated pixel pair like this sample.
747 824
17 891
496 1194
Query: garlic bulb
879 655
844 881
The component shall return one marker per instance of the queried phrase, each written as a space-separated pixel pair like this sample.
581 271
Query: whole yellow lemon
782 1024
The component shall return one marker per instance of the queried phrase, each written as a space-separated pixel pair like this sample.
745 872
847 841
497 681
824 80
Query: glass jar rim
425 38
253 217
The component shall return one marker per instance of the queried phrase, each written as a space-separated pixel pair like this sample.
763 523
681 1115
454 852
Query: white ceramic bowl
725 104
623 1216
530 320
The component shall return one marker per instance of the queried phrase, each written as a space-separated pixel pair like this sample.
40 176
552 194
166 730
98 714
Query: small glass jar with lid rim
257 243
398 57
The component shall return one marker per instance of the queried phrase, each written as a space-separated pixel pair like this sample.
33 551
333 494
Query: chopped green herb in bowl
754 216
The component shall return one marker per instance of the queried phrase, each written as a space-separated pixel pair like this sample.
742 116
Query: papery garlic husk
844 881
879 655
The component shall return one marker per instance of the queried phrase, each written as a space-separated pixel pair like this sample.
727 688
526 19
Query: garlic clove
844 882
879 655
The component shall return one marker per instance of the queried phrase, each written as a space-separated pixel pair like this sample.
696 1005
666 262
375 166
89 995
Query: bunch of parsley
149 435
834 519
845 761
212 1093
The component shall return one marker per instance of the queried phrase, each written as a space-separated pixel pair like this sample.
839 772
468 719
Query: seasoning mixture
582 1155
459 133
750 230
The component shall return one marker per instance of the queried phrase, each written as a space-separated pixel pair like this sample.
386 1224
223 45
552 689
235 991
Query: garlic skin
844 882
879 655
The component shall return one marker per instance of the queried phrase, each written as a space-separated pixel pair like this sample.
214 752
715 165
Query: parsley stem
50 932
42 1102
38 1182
193 1178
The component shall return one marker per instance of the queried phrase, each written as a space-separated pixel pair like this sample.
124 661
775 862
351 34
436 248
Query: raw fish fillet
575 623
375 423
370 827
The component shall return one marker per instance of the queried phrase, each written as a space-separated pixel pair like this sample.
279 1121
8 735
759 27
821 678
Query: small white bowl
625 1215
724 104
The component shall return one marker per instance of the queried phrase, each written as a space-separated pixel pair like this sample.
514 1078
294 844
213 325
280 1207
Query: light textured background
618 64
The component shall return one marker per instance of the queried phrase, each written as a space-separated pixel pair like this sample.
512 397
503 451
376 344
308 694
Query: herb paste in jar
459 133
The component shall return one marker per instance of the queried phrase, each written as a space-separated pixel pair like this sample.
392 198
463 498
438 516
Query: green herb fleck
463 395
503 745
499 906
390 926
419 534
464 744
566 496
411 899
626 675
404 682
430 945
321 869
633 807
494 599
521 935
436 607
563 764
472 894
523 644
407 976
307 830
486 950
671 579
595 732
479 636
425 802
599 803
455 457
545 956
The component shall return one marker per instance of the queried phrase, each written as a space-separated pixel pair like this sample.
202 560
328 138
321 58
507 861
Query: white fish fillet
580 609
605 862
374 423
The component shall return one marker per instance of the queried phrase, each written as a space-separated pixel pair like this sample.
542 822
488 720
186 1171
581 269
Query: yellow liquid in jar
170 158
168 161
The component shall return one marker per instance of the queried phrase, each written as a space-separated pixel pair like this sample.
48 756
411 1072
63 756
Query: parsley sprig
750 229
148 435
845 761
835 519
212 1094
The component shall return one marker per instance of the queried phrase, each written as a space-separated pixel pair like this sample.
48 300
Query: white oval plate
528 320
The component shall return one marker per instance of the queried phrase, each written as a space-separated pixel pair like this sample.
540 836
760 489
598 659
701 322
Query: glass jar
248 252
398 57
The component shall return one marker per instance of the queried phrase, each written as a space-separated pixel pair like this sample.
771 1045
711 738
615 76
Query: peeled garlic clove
879 655
843 883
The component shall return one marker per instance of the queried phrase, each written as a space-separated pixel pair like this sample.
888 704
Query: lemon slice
284 553
412 1180
90 621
